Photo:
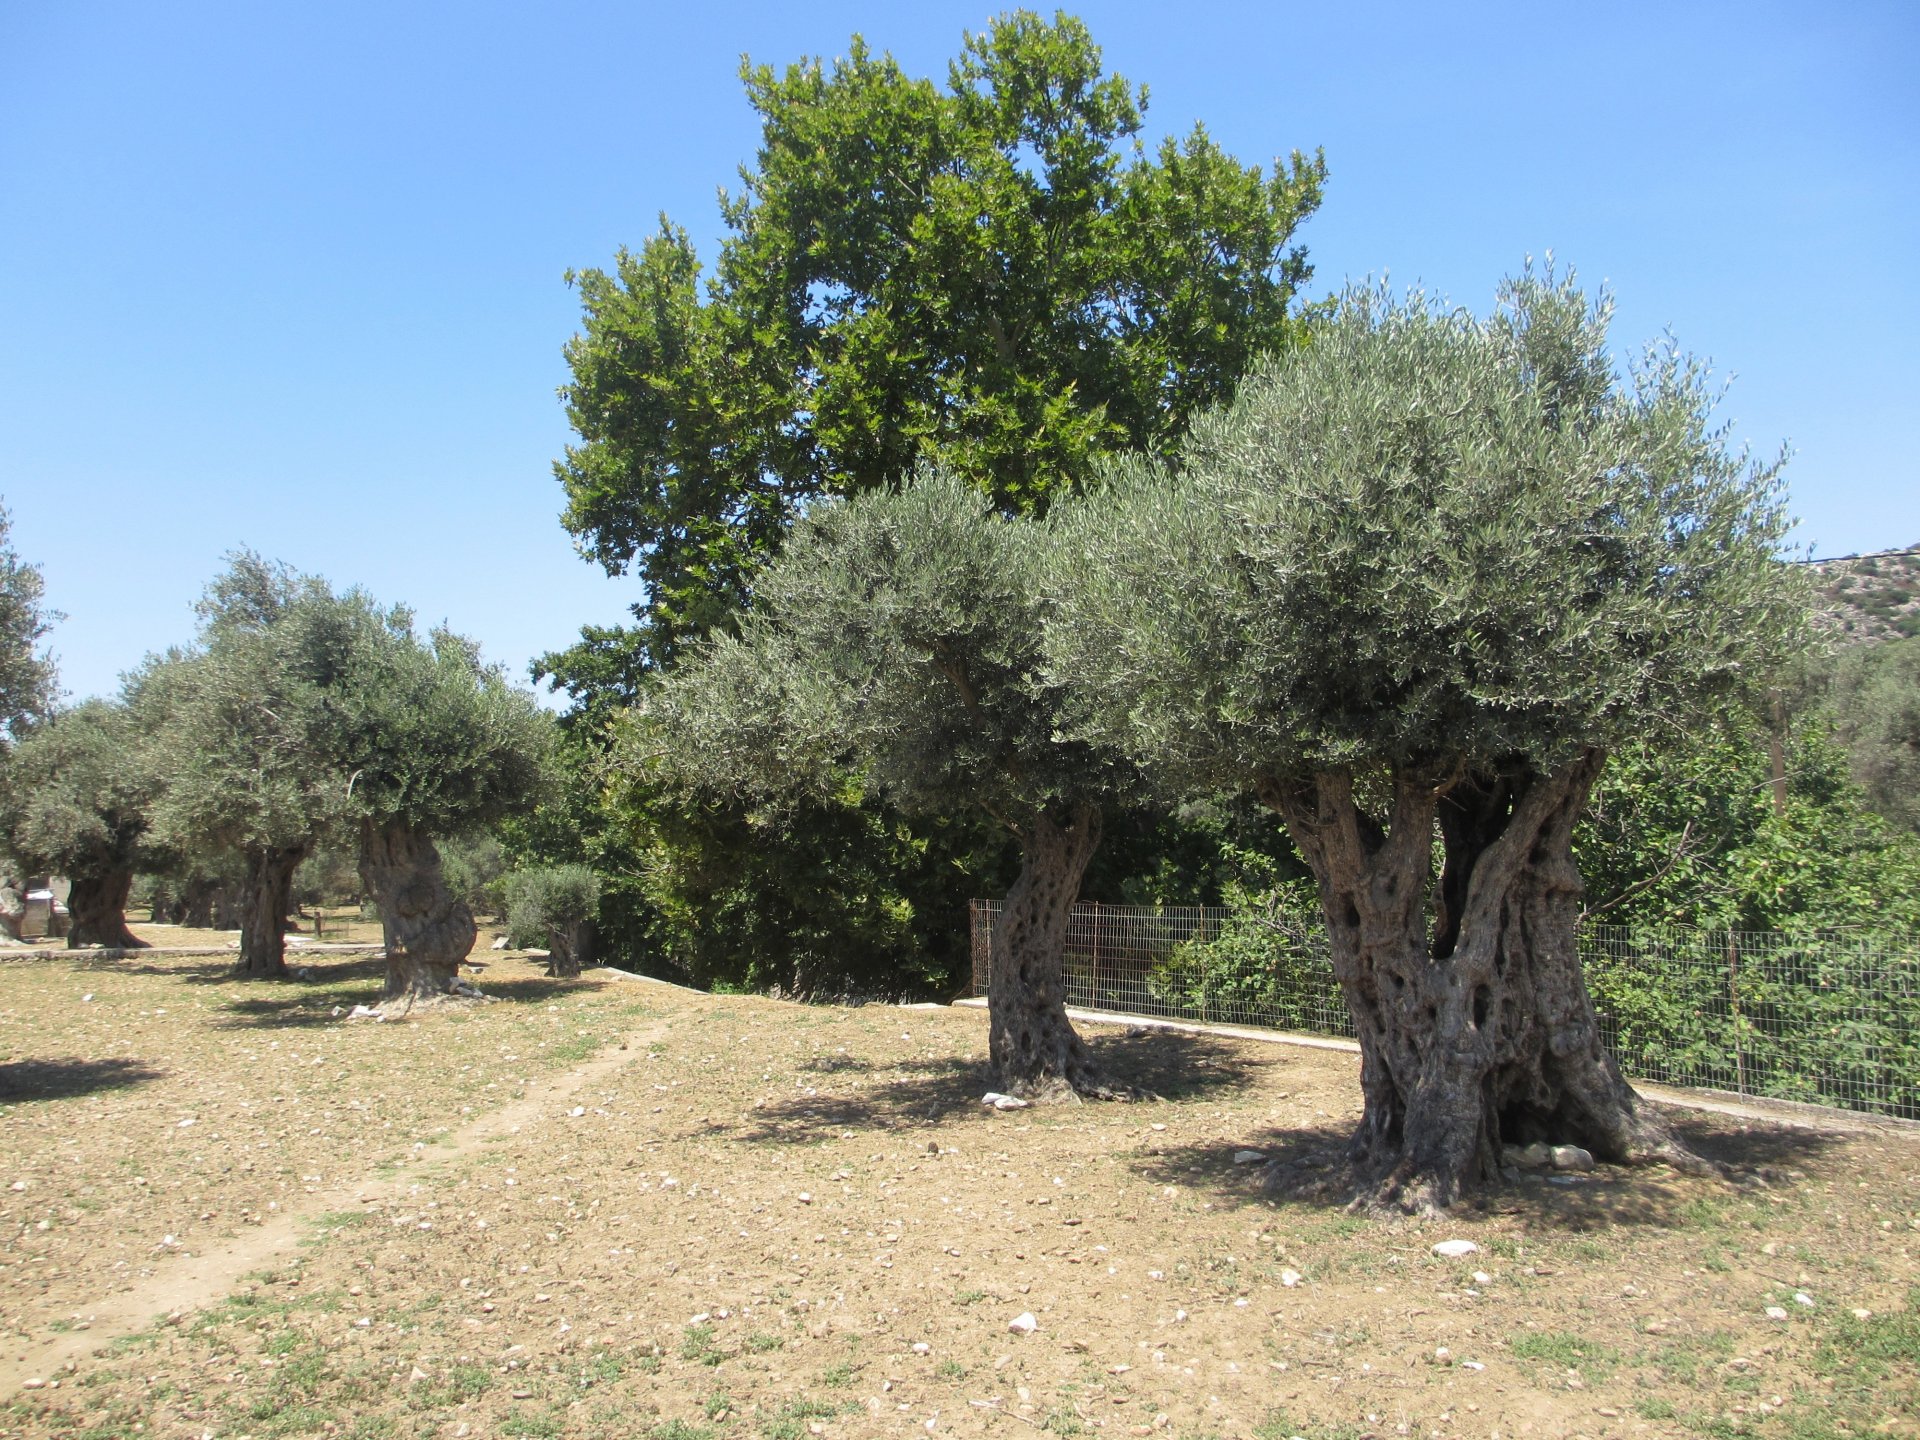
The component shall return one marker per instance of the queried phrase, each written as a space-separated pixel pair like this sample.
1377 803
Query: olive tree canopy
1408 588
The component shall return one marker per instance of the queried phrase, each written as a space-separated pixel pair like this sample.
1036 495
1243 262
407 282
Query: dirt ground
614 1208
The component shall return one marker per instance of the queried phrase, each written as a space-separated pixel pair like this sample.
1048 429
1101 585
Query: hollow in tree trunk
1032 1043
265 893
98 905
1478 1032
428 931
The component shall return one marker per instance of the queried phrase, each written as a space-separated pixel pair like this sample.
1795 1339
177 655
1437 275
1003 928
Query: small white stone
921 1347
1859 1314
1571 1157
1471 1365
1023 1323
1481 1278
1289 1278
1801 1297
1179 1316
577 1111
1443 1356
88 996
1774 1312
1454 1249
804 1198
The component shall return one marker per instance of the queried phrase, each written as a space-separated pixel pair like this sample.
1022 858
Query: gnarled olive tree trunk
1033 1045
266 892
428 930
97 904
569 947
1478 1032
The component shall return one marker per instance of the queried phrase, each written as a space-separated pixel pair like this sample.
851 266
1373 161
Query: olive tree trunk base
98 907
428 930
1035 1051
266 893
1478 1032
569 947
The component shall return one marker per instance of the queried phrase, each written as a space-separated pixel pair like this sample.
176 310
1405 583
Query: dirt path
215 1272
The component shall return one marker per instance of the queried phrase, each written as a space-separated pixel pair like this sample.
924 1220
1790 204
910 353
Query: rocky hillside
1867 598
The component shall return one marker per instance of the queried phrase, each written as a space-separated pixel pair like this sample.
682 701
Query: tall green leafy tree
1409 589
991 273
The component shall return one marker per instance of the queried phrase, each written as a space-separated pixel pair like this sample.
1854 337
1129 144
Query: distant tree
304 715
1409 588
1876 700
27 677
992 274
433 743
552 908
74 800
236 740
897 641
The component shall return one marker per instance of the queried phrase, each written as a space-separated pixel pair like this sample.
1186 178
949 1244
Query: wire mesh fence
1828 1018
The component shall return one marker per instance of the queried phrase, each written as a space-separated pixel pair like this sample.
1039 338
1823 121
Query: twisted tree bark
428 931
98 907
1032 1043
1479 1033
265 895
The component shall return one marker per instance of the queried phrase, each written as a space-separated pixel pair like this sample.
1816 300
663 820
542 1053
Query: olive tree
74 799
554 906
896 645
1407 589
303 715
237 745
432 743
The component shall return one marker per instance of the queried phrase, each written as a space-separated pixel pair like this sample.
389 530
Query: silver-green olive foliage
302 713
1427 538
899 634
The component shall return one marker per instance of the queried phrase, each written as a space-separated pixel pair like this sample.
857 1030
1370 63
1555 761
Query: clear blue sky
288 275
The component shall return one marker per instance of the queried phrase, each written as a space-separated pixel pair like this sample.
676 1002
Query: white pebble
1023 1324
1454 1249
1774 1312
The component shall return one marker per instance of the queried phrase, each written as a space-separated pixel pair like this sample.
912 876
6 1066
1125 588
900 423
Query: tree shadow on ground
28 1080
1308 1168
912 1094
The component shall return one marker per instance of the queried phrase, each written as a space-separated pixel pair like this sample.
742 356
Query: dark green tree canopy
992 274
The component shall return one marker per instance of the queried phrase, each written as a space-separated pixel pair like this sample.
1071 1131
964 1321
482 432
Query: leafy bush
1267 965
